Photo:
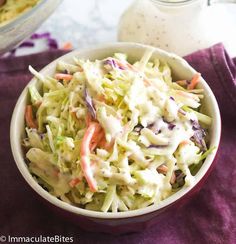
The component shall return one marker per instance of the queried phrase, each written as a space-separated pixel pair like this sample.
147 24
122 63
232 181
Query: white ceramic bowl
122 221
17 30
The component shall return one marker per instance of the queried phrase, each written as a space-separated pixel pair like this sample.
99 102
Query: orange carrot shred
66 77
88 119
67 46
95 141
162 169
74 182
29 117
85 151
185 142
194 81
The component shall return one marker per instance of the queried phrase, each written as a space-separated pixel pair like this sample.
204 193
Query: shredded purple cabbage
27 44
171 126
150 126
52 43
195 124
112 63
171 98
39 36
121 68
180 176
154 128
199 135
89 103
42 135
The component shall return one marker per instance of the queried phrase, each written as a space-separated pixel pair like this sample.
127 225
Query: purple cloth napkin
210 217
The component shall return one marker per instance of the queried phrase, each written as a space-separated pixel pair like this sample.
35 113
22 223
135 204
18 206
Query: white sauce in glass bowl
173 26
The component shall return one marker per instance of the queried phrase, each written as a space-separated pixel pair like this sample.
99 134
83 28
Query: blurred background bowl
17 30
134 220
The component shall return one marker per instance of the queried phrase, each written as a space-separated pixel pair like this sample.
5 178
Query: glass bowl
17 30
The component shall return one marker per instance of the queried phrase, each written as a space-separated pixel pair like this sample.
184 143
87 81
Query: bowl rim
23 16
20 162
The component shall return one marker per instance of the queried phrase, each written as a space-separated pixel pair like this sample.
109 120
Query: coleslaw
11 9
112 135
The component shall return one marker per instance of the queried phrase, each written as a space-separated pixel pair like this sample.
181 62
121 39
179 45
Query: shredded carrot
146 82
98 133
101 98
162 169
126 65
85 160
194 81
29 117
66 77
95 141
183 143
106 145
88 119
122 65
2 2
67 46
130 66
102 142
74 182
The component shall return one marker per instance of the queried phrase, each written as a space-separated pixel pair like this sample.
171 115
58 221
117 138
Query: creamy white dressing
111 124
181 28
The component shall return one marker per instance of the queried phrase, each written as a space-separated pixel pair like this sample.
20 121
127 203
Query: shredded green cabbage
142 145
